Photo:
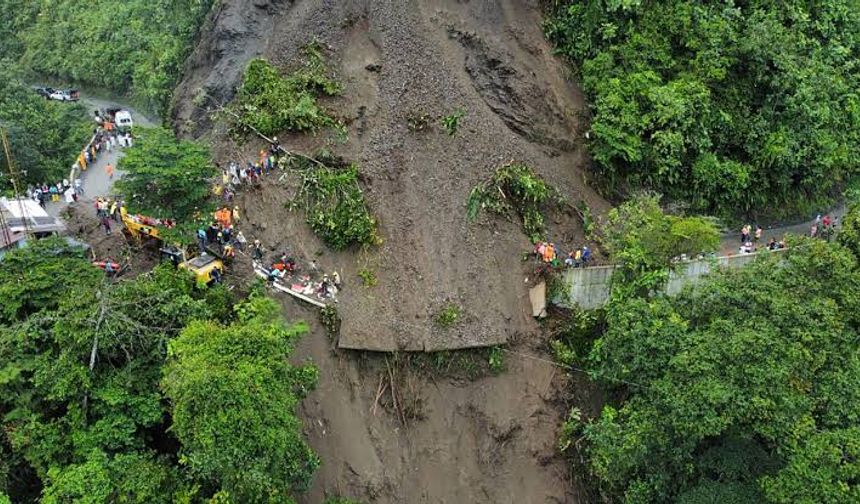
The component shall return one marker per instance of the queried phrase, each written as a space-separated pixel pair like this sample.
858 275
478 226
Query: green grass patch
368 277
451 122
448 316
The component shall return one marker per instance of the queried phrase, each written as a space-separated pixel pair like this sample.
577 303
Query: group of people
68 191
823 227
549 253
285 269
236 175
750 238
104 140
221 233
106 210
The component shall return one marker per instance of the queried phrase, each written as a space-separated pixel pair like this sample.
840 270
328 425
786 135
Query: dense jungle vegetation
742 389
147 390
45 136
733 107
135 48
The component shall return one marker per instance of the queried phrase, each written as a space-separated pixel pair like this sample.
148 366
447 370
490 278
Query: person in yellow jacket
235 214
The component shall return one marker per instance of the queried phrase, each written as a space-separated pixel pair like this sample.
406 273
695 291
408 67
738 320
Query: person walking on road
109 171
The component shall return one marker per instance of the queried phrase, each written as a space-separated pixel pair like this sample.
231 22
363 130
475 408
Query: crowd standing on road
105 139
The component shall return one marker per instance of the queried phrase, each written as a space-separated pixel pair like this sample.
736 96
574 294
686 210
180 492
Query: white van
123 120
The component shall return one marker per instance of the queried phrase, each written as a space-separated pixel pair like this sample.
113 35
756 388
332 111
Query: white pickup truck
65 95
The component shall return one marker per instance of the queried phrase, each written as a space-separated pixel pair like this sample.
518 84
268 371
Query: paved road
731 242
95 179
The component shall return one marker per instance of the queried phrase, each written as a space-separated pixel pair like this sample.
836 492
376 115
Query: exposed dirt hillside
397 60
491 440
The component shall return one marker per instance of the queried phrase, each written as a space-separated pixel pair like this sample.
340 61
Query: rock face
399 61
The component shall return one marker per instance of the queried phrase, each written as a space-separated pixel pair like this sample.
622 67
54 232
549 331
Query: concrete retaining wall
589 287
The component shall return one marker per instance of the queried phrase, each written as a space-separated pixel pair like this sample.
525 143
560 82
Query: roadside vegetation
146 390
741 389
168 178
729 107
134 48
46 136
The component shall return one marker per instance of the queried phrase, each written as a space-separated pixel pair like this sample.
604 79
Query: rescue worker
258 251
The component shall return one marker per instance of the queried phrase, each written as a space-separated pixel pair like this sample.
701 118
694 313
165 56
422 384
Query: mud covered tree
270 102
517 189
234 395
167 177
743 389
730 106
333 200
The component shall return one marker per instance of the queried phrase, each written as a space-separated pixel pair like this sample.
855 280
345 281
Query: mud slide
491 440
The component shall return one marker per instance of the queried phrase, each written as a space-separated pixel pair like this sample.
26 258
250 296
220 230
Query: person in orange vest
109 170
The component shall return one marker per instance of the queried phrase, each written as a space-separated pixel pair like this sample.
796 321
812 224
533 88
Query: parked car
43 91
65 95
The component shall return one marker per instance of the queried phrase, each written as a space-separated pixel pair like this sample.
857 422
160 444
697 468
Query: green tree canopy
134 47
234 395
744 387
81 360
167 177
731 106
643 240
46 136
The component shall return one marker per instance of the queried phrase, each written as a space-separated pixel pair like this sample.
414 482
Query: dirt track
488 441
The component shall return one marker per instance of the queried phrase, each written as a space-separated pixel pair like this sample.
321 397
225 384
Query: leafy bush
368 277
451 122
517 188
334 202
730 106
270 102
496 360
330 319
134 47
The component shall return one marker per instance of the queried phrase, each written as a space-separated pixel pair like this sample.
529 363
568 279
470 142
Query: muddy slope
487 441
398 60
